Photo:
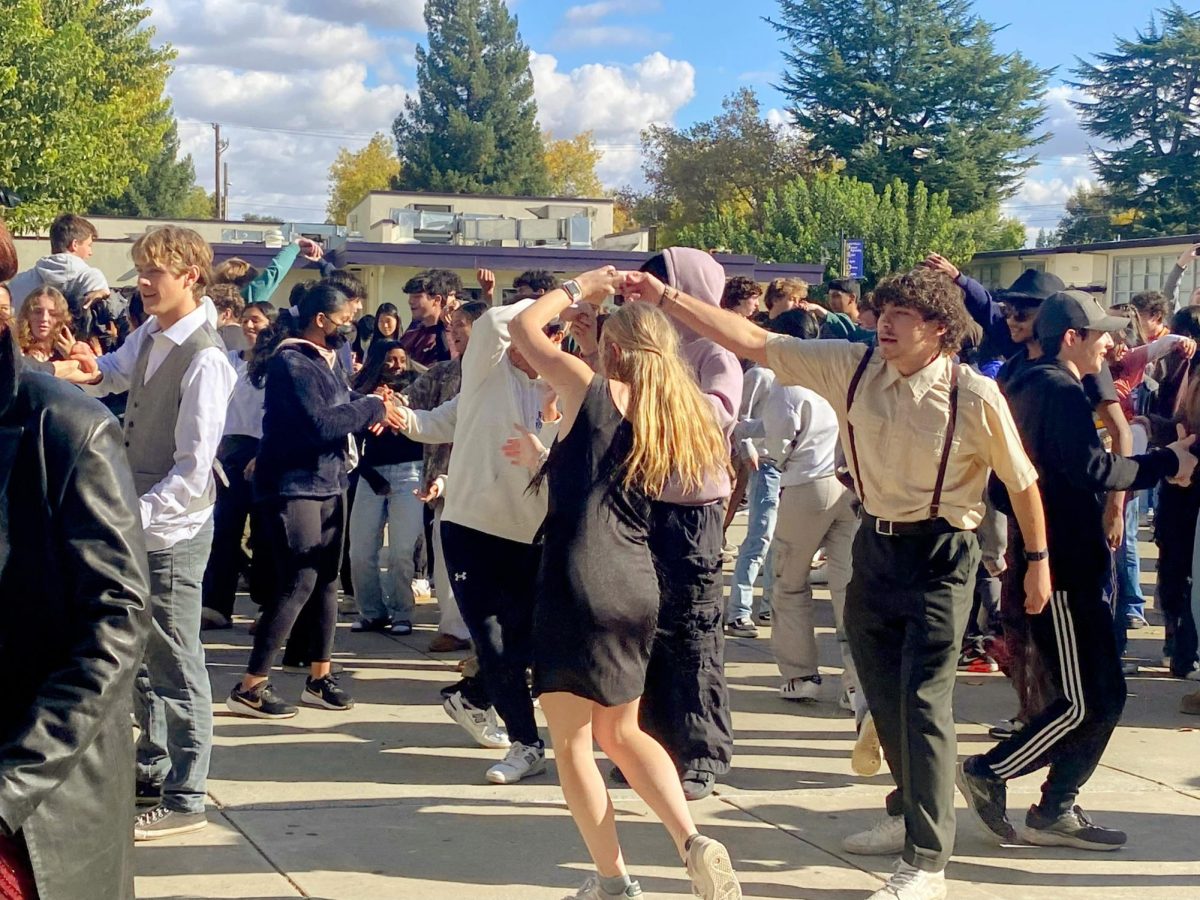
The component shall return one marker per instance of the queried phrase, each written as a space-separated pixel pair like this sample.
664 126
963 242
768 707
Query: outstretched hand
1187 459
641 286
524 449
939 263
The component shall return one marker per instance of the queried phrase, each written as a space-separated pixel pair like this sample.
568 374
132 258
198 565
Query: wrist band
669 293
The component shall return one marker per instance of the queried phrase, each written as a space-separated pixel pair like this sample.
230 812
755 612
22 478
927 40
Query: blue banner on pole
855 263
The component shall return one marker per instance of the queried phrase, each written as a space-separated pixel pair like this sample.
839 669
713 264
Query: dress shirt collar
181 330
920 381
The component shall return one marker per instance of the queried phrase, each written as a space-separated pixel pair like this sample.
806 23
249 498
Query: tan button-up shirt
900 429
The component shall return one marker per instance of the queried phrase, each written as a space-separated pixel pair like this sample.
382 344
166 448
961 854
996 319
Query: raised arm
567 374
733 332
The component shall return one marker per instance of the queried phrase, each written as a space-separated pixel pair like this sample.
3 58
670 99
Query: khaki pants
811 516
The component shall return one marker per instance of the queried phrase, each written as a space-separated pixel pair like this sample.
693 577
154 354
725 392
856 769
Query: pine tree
166 190
473 126
915 90
1144 99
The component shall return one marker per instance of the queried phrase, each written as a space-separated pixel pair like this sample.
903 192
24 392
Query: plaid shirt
441 383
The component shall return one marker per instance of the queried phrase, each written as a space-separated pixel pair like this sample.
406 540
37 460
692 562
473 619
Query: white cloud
405 15
614 102
610 36
590 13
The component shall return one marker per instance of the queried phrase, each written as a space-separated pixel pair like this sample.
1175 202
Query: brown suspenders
935 506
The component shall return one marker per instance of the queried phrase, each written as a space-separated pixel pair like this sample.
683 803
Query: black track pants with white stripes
1075 637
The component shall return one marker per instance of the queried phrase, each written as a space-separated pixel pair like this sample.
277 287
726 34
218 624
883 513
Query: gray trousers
811 516
172 695
906 607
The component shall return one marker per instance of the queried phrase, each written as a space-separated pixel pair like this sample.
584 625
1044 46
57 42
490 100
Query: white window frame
1135 274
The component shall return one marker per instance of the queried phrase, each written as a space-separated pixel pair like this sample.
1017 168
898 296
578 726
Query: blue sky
293 80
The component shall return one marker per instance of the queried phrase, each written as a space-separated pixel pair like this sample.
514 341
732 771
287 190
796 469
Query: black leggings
494 583
304 539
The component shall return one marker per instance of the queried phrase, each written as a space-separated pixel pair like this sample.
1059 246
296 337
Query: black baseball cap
1068 310
1031 288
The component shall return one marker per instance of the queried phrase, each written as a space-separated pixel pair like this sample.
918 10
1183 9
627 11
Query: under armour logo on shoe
460 576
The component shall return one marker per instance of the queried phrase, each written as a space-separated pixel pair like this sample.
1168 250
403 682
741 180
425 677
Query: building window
987 274
1134 274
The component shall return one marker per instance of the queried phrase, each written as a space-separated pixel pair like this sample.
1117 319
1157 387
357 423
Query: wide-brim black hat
1031 288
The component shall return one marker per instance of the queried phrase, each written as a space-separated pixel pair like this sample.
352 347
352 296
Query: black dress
597 597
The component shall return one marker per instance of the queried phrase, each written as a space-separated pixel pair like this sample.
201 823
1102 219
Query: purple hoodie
697 274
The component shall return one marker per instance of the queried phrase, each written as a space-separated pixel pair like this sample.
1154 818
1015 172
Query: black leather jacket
73 622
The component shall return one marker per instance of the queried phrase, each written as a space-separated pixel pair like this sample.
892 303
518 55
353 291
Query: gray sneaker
711 870
742 627
161 822
1072 829
591 890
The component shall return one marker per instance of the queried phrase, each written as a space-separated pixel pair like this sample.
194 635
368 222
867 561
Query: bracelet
669 293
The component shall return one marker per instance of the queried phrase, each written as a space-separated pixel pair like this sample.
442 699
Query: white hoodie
65 271
484 490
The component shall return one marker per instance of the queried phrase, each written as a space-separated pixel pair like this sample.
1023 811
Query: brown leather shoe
448 643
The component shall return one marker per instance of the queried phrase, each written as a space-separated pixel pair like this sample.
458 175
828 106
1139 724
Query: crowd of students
928 450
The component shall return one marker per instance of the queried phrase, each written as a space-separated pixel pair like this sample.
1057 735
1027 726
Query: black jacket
1054 417
73 622
308 415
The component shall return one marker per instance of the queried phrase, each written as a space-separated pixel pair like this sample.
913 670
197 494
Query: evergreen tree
915 90
473 126
1144 99
166 190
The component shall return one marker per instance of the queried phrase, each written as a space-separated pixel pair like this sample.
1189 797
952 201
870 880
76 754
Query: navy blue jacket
308 415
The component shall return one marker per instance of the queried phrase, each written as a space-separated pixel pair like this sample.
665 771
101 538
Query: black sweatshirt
1075 472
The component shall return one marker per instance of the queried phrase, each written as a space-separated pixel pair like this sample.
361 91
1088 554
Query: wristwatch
1036 555
574 291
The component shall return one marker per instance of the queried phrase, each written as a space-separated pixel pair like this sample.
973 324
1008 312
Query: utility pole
225 192
219 147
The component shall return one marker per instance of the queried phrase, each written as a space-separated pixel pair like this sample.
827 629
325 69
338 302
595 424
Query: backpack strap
945 461
853 389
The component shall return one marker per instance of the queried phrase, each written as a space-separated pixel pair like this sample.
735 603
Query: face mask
340 336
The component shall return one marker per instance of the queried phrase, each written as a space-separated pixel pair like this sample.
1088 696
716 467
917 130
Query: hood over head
697 274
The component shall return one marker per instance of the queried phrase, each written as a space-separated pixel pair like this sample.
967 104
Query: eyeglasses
1018 313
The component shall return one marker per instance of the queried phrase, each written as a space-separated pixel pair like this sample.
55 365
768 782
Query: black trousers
1074 635
686 704
235 504
304 540
1175 533
494 583
906 609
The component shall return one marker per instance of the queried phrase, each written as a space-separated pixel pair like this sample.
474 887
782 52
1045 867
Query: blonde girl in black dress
624 431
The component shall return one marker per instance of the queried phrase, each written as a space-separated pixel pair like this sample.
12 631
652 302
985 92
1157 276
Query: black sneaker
1072 829
987 800
147 795
324 692
260 702
764 617
161 822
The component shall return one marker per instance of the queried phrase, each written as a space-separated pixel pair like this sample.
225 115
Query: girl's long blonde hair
674 429
62 316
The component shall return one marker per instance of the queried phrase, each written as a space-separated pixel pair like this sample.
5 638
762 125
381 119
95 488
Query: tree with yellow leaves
354 175
571 164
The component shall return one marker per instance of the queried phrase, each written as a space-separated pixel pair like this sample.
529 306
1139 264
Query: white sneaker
481 724
884 838
804 690
909 883
521 762
711 870
846 700
1193 675
868 754
421 589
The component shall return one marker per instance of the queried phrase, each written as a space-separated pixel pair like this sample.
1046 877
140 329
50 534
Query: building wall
378 205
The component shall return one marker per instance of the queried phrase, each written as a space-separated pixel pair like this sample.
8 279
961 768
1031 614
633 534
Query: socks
618 885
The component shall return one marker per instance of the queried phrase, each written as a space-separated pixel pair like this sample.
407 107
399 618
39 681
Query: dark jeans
235 504
304 540
906 609
494 583
686 704
1075 636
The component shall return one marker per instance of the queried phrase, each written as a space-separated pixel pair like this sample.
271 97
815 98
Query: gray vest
153 409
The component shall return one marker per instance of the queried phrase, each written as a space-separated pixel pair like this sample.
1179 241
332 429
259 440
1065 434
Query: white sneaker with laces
521 762
481 724
911 883
804 690
421 589
884 838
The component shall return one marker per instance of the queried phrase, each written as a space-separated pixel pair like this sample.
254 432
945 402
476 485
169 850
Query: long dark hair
387 309
319 298
372 374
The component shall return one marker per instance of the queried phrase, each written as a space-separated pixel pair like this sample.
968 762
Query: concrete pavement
389 800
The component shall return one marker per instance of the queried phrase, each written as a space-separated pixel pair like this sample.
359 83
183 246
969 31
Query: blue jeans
172 695
763 509
376 593
1130 601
